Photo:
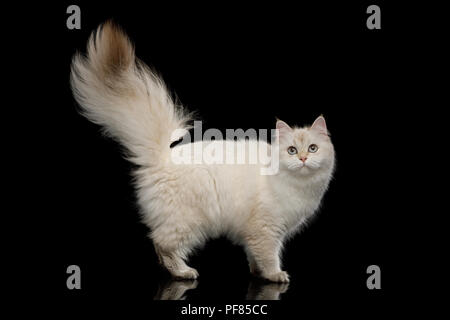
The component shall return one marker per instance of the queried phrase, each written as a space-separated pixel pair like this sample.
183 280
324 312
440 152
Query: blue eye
313 148
292 150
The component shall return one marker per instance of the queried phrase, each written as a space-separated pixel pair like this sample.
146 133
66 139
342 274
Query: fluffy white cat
185 204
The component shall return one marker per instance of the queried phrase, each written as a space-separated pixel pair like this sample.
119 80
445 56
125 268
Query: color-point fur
185 204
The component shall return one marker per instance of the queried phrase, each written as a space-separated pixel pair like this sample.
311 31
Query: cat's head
307 150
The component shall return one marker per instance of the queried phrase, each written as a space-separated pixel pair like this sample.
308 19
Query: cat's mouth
298 166
306 167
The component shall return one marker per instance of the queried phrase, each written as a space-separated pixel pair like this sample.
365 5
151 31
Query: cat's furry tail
125 97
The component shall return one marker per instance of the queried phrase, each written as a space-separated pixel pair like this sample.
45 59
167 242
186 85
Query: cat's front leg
264 250
251 262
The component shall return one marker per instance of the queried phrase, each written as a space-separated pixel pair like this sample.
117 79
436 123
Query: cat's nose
303 158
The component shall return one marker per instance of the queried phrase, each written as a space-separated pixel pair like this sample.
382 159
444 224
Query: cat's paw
281 276
190 273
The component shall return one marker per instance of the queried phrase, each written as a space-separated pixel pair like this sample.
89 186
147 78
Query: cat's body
185 204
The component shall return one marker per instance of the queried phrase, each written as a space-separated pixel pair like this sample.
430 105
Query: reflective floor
257 290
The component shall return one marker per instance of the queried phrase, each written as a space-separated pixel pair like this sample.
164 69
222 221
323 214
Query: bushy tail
125 97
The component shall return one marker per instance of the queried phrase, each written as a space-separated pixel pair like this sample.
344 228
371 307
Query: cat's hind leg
174 239
173 261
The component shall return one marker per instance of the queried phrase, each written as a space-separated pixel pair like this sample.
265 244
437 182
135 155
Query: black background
239 67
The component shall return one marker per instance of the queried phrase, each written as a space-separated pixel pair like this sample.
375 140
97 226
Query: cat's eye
292 150
313 148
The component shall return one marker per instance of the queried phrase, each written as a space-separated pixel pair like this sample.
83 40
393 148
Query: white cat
184 204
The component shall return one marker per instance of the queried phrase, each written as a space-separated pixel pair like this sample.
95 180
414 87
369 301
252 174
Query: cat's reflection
174 289
257 290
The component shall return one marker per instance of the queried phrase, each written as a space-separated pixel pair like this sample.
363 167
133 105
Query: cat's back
232 168
222 152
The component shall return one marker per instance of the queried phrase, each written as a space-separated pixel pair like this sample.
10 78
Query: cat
185 204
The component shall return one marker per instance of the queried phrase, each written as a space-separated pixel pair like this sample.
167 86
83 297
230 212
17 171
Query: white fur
185 204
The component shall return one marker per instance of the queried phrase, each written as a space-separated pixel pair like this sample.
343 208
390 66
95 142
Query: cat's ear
283 128
320 126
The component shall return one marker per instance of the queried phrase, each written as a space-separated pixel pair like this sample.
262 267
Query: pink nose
303 158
